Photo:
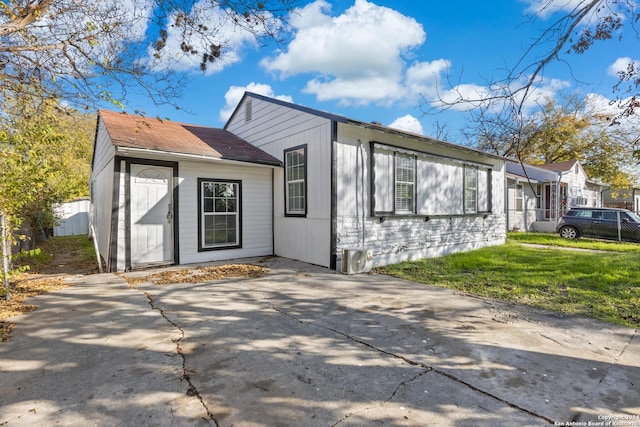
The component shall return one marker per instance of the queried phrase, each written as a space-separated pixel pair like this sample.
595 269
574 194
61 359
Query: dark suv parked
601 223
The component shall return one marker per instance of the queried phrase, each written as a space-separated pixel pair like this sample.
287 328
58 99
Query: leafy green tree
46 159
574 27
559 133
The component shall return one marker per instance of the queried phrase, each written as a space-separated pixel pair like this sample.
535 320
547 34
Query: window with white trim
219 207
296 181
519 192
405 183
470 189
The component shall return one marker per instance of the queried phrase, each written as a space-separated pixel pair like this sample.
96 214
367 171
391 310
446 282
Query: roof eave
126 150
423 138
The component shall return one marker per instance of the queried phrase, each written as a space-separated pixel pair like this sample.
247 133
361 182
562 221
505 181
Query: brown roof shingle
559 166
127 130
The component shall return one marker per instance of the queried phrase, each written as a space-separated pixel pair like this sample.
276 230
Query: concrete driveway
303 346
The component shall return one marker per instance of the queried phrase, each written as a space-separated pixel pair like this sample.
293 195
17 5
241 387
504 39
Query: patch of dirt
67 256
198 275
60 257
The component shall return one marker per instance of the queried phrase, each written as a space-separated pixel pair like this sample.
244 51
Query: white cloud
424 77
234 94
546 8
621 65
540 93
600 104
358 57
463 97
466 97
408 123
231 37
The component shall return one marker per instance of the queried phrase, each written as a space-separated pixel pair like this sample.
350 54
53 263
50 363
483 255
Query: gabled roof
132 131
534 173
560 166
366 125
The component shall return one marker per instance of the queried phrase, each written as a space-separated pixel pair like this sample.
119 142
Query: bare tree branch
26 18
94 50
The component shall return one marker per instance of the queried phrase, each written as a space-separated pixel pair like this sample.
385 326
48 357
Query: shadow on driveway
306 346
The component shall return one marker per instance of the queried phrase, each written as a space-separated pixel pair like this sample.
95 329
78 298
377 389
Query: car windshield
633 216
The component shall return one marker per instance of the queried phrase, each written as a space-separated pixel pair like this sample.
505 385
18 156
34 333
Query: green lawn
555 240
603 286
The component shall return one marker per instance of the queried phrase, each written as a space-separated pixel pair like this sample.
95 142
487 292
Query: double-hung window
405 183
295 163
477 190
519 199
470 189
219 208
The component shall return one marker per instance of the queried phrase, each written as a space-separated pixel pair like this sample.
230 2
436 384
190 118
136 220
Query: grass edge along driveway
599 285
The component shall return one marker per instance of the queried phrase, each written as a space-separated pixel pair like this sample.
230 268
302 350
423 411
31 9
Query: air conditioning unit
356 260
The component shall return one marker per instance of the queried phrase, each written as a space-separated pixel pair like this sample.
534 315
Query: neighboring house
531 196
311 185
537 196
628 198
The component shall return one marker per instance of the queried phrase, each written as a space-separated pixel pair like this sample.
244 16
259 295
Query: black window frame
396 183
466 189
483 202
287 211
238 244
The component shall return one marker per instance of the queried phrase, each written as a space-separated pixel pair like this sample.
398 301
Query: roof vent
248 107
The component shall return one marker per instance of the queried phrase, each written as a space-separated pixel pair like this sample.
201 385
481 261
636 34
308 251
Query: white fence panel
73 219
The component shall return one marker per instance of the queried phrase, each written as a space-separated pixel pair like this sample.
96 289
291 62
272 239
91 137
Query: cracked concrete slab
306 346
94 354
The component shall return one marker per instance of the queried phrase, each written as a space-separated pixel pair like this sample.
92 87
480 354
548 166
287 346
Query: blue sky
375 61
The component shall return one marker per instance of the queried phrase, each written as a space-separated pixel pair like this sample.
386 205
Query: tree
45 152
558 132
575 31
575 27
84 52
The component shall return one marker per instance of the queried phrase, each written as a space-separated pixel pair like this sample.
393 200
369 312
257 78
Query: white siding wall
522 220
439 192
121 227
256 210
102 190
103 150
576 188
447 196
100 215
275 128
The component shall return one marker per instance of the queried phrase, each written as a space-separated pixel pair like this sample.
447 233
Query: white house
164 192
291 181
537 196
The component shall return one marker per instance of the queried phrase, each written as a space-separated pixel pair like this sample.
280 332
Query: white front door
151 214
